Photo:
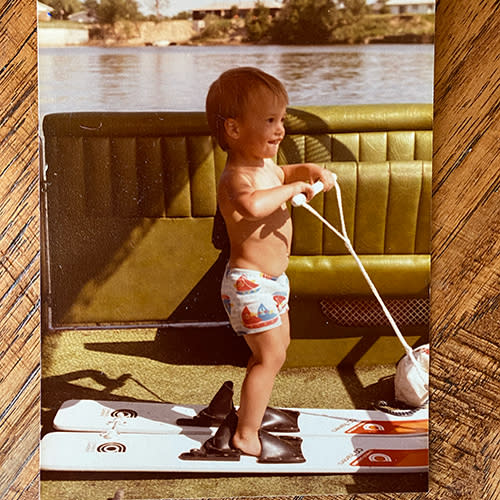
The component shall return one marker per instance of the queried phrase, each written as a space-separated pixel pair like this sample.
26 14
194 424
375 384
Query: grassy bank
379 27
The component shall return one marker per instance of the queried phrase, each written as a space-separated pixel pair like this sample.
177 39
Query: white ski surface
160 418
111 452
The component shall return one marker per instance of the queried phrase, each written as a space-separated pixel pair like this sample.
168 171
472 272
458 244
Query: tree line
297 16
298 22
305 21
107 11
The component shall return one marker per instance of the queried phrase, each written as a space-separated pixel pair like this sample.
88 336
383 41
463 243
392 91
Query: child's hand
327 178
304 187
297 173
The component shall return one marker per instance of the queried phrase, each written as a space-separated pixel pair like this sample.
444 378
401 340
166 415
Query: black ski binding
283 449
218 447
275 419
215 413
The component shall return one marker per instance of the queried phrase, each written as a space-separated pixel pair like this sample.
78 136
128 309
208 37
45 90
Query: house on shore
411 6
225 9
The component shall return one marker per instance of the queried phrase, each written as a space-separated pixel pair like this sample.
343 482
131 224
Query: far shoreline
396 30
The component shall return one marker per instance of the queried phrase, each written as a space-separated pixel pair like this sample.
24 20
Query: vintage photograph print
235 232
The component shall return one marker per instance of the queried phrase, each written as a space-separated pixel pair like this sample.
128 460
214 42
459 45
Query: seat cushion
392 275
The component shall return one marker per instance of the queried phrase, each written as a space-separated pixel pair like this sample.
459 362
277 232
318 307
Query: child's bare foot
249 444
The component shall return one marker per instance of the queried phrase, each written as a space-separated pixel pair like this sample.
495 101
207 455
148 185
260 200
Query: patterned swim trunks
254 301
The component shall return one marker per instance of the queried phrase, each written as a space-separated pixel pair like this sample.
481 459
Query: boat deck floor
135 365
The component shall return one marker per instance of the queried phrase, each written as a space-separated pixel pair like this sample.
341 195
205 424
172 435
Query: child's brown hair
227 96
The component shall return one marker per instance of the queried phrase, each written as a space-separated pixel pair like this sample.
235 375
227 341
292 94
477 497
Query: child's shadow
184 346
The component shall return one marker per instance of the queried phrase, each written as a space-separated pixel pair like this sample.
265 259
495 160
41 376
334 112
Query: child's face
261 126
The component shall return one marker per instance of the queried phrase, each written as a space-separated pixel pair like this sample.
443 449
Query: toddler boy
246 111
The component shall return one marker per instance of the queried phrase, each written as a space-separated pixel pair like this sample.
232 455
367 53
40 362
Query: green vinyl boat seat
131 236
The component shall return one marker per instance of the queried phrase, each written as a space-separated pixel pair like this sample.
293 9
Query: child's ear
232 128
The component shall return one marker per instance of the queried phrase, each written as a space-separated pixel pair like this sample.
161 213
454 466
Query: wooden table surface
465 294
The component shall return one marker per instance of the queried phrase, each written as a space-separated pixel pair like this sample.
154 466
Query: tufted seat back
166 164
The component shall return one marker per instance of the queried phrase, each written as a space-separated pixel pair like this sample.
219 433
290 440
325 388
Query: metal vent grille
368 312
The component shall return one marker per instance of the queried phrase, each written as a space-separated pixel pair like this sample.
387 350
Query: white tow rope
421 386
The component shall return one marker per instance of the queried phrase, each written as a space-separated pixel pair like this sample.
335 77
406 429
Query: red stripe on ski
388 427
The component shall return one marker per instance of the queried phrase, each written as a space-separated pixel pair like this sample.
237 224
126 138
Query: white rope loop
345 238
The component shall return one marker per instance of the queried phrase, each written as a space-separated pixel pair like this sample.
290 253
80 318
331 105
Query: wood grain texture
19 262
465 287
465 253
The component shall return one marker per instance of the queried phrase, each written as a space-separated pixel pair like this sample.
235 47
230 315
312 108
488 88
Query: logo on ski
379 457
392 458
111 447
124 413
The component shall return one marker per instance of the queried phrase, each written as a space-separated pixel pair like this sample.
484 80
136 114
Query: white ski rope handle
300 200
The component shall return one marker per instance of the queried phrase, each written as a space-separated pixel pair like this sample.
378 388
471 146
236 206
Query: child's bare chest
266 178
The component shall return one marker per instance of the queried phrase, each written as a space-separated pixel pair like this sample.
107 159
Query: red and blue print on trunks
245 286
279 298
226 301
261 319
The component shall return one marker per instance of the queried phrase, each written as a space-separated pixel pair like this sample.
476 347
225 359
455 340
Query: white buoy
409 385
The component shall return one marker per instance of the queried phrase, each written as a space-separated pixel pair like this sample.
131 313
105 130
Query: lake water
178 77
